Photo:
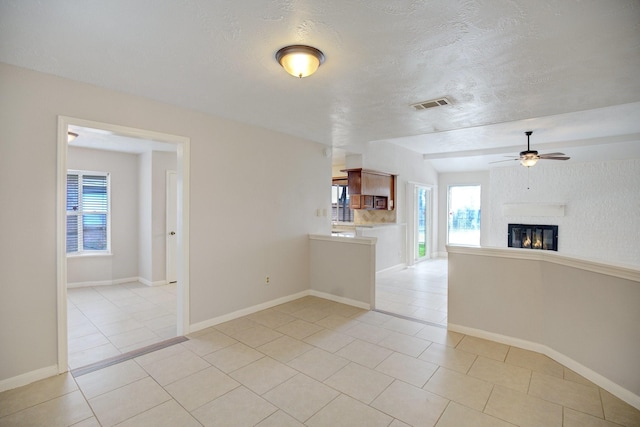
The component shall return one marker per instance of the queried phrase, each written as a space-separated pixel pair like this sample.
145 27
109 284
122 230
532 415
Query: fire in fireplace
544 237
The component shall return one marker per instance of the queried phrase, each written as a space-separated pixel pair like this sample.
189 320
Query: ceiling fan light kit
530 157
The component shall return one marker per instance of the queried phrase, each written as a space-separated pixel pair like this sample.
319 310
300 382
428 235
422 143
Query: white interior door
172 226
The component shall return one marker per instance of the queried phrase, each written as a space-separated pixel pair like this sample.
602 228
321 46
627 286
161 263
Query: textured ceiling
507 66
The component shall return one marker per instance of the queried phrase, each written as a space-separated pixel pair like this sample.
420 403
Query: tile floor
105 321
314 362
419 292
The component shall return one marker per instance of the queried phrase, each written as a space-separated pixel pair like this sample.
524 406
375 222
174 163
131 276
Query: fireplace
529 236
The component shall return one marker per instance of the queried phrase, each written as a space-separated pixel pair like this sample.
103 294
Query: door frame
182 150
169 228
412 222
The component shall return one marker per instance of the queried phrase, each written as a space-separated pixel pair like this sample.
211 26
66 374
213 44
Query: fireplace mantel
533 209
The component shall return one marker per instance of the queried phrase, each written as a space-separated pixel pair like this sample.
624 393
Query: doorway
179 148
419 221
422 196
420 290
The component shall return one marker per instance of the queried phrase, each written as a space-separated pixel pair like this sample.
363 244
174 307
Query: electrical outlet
267 280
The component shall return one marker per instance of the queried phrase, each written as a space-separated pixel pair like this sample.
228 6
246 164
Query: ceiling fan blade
509 160
542 156
555 158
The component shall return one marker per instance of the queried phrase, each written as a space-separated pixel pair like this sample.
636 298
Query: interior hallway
419 292
105 321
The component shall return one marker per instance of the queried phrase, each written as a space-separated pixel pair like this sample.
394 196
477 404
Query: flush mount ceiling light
299 60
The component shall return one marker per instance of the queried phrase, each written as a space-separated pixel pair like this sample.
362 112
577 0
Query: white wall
343 269
145 208
248 218
408 166
602 213
463 178
391 244
123 263
580 313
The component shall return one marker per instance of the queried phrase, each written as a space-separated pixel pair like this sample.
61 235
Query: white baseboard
396 267
28 378
102 282
605 383
265 305
116 282
341 300
440 255
245 311
150 283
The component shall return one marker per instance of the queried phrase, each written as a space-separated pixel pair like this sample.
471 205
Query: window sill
89 254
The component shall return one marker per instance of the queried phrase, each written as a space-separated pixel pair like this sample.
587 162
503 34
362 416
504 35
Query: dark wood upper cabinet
370 189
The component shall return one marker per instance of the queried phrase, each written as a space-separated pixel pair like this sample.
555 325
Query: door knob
173 233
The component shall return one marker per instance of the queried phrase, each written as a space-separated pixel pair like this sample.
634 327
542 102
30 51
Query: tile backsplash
362 217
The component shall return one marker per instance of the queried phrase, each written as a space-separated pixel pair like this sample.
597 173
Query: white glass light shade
529 161
300 61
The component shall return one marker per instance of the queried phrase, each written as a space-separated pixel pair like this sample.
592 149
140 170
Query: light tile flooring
314 362
105 321
419 291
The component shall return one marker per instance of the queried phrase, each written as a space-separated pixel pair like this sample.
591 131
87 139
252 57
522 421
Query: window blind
87 212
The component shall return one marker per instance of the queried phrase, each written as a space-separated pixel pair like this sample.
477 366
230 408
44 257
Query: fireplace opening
528 236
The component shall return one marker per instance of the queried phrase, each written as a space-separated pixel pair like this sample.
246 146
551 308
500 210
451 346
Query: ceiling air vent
431 104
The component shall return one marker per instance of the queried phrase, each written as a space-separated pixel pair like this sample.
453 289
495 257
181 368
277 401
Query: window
340 211
464 215
88 220
422 197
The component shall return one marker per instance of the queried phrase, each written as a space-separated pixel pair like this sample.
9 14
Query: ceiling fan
530 157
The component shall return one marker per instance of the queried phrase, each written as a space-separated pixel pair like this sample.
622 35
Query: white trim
397 267
605 383
342 300
184 192
621 271
245 311
412 222
167 259
183 162
89 254
269 304
61 244
102 282
28 377
150 283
